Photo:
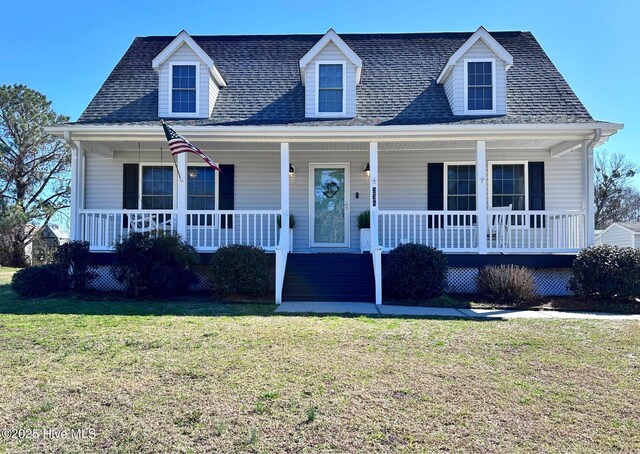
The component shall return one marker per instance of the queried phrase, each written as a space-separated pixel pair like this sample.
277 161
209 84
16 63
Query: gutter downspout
590 180
597 135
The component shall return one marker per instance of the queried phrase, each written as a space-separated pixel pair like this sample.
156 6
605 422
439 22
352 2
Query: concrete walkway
323 307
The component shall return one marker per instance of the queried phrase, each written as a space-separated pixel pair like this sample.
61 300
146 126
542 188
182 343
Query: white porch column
373 192
481 195
75 192
284 193
282 249
374 207
588 197
181 195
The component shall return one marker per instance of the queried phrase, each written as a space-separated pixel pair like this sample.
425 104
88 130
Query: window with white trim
183 89
331 88
461 187
508 186
480 86
157 188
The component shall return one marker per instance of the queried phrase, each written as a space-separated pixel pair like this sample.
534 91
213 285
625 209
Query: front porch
506 195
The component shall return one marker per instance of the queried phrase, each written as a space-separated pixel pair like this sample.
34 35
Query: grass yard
193 376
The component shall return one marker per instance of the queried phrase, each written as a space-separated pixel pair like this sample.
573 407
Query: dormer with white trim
188 80
475 76
330 72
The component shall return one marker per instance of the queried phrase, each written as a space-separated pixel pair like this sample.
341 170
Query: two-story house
472 143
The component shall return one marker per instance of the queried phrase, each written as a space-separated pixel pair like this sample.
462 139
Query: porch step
329 277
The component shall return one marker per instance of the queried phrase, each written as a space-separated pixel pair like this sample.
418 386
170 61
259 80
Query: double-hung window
183 89
331 88
461 187
157 188
201 188
201 195
479 86
508 186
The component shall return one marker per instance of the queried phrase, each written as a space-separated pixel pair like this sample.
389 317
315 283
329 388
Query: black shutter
536 192
435 190
226 187
129 190
130 186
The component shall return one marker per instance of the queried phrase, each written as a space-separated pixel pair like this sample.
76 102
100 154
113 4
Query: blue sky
67 49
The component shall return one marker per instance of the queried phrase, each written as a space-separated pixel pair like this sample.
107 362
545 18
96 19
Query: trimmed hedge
161 265
415 272
241 270
74 258
507 284
607 272
39 280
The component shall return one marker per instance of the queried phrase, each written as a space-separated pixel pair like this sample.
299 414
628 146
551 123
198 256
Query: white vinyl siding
402 178
618 236
331 54
454 85
207 88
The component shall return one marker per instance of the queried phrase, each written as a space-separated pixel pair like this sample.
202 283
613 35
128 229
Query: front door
329 205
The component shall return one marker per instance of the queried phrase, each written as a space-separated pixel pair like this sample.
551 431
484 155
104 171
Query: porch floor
323 307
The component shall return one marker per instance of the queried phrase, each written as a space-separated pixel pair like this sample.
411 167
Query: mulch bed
558 303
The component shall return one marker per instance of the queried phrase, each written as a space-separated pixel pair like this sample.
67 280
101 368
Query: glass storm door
329 203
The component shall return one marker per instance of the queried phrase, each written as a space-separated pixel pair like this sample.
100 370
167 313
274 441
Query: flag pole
172 155
176 163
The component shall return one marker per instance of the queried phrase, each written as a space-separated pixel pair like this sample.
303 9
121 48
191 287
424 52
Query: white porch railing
449 231
536 231
507 231
102 228
204 230
210 230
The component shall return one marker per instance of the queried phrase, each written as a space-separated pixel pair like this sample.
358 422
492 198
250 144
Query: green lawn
193 376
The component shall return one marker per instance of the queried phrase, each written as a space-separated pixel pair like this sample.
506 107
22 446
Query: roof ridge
313 35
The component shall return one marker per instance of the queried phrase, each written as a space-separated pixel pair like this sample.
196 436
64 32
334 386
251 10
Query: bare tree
34 165
616 198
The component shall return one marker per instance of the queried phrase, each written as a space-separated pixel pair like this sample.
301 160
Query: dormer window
184 89
479 86
331 93
475 76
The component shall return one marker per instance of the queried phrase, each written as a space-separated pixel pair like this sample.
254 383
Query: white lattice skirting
550 281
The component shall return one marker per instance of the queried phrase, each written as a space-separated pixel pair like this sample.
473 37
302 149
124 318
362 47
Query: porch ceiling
108 149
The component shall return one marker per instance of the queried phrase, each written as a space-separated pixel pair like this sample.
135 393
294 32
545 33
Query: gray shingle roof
633 226
398 82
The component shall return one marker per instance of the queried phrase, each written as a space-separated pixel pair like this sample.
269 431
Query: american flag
178 144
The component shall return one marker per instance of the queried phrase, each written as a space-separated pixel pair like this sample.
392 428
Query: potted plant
292 224
364 224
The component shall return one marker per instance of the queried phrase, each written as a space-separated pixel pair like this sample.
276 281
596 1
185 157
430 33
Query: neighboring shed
624 234
42 240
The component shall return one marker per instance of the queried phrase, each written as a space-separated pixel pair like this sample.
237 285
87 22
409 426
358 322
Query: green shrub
159 264
74 258
364 220
507 284
607 272
292 221
241 270
415 272
39 280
